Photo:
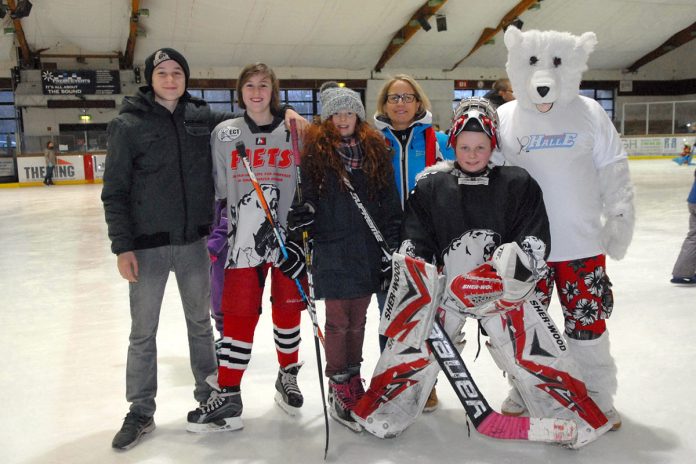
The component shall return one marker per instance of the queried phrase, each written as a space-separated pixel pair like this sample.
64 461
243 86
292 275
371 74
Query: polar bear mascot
571 148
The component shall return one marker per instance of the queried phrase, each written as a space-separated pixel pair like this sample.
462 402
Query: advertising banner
83 82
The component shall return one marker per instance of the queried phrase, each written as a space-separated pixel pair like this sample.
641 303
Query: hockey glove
385 273
294 266
300 217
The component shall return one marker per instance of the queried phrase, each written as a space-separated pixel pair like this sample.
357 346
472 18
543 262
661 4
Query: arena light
441 23
424 23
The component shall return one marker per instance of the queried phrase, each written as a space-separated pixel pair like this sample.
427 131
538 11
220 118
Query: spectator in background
684 271
50 157
500 93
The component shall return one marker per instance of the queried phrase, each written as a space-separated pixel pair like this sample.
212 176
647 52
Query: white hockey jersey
250 235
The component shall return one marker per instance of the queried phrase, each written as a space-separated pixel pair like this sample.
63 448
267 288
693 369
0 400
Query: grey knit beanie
334 99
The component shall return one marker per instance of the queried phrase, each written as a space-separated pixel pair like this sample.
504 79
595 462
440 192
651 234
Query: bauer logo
228 134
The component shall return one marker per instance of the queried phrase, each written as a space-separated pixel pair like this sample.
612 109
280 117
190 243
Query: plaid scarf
351 153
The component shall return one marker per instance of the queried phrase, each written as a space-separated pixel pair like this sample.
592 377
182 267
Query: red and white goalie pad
413 297
398 390
527 345
406 371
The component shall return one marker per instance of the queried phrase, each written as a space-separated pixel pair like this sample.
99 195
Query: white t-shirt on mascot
566 148
563 150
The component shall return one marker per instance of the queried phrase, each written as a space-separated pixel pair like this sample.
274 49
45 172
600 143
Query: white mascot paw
616 236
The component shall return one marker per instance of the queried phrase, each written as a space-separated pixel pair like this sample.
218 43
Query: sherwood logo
477 286
550 326
396 277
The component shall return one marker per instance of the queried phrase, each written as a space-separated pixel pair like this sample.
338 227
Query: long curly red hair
320 154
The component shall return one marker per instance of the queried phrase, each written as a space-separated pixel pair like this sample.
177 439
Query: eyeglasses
404 97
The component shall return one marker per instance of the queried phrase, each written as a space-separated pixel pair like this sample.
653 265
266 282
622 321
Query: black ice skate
288 395
221 413
341 402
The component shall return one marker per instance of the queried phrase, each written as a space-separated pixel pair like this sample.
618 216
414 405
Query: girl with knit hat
346 265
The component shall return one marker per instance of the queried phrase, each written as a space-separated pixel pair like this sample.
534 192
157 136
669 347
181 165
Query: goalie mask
475 114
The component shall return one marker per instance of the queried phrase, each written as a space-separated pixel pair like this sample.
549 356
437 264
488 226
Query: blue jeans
190 264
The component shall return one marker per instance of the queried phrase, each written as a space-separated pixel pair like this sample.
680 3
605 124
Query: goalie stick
241 151
486 420
311 308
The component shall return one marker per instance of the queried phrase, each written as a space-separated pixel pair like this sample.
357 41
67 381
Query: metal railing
659 117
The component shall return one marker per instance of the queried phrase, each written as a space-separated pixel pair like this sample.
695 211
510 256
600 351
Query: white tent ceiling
348 35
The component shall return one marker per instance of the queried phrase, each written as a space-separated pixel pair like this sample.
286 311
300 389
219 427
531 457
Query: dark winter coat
347 259
158 184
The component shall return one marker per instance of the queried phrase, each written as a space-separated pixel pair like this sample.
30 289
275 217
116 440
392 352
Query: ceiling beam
405 33
677 40
126 60
488 32
27 58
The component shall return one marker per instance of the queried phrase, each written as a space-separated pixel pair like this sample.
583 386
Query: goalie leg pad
528 346
398 390
413 297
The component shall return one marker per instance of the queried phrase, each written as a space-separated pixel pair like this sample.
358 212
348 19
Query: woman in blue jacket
404 117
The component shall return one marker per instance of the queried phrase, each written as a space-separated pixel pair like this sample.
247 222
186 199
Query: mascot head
545 67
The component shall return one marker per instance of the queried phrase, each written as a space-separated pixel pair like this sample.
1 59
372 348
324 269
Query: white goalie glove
496 286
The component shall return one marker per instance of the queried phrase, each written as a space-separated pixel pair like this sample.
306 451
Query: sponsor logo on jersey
228 134
260 140
545 142
260 157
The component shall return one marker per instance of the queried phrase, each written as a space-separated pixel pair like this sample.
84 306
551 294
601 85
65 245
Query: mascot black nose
543 90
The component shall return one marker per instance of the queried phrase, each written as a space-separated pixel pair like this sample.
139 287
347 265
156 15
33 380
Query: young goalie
486 228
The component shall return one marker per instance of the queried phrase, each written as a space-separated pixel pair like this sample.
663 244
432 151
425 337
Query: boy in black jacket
158 200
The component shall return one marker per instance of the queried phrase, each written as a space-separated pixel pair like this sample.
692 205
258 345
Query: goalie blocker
524 342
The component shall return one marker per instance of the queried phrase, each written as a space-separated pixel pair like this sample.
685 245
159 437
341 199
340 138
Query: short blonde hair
421 97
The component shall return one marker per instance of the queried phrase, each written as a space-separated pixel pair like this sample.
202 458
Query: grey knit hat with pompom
334 99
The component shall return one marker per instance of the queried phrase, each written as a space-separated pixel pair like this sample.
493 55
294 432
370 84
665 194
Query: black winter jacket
346 260
158 185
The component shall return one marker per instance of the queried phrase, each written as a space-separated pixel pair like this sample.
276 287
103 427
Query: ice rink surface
64 327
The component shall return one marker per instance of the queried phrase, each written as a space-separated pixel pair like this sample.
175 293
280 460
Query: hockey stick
485 420
368 219
311 308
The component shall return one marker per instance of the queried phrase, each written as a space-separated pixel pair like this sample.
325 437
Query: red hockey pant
241 308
